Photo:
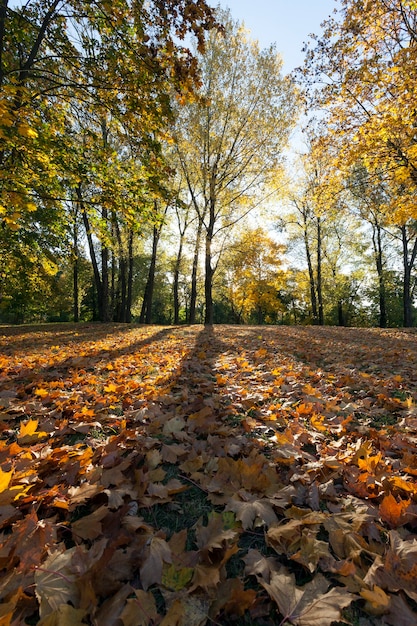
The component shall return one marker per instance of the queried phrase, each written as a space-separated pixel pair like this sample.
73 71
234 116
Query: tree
230 139
118 59
254 277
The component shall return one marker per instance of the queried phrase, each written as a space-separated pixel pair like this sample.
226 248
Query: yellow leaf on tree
26 131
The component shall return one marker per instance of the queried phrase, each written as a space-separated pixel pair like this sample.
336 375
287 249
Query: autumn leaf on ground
140 610
377 601
311 605
395 512
157 552
55 582
250 510
398 570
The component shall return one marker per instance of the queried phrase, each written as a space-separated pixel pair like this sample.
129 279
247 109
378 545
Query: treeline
136 167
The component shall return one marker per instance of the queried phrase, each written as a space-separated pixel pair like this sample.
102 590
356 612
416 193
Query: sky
287 23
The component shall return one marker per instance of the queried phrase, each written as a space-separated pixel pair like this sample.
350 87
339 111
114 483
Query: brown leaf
309 605
55 582
233 599
140 610
89 527
65 614
156 553
111 610
400 612
398 570
188 610
251 510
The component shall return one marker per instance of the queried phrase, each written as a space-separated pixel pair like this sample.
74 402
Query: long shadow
87 358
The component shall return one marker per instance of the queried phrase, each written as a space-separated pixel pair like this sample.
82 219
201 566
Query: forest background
145 173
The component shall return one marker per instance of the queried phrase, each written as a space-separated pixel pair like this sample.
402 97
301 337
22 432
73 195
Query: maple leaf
188 609
157 552
213 539
377 601
398 570
65 614
249 509
29 432
89 527
233 599
394 512
311 605
56 582
140 610
5 478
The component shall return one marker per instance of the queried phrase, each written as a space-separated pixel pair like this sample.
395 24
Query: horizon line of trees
130 167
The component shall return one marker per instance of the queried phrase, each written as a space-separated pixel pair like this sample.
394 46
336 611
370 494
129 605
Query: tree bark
194 274
313 297
129 279
377 243
96 271
76 305
146 312
408 264
177 268
319 278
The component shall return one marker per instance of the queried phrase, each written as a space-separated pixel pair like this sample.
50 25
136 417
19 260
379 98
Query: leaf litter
191 476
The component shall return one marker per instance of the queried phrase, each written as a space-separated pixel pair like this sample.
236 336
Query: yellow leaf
5 478
377 601
317 423
42 393
29 428
26 131
111 388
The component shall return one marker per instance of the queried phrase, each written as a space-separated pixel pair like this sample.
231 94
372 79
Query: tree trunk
105 304
194 274
96 271
377 243
176 281
129 279
408 263
146 312
319 280
76 304
340 316
208 280
313 297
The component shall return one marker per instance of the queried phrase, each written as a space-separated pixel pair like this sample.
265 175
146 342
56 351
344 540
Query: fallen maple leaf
398 570
377 601
251 509
395 512
140 610
311 605
157 552
64 614
55 582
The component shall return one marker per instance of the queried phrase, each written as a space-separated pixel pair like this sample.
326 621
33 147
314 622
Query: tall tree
121 58
230 139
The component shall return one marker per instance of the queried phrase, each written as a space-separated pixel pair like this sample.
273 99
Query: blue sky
288 23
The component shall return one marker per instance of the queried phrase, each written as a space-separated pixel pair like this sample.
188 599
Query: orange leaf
393 512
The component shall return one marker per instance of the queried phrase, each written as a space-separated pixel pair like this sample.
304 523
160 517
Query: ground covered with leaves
191 476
